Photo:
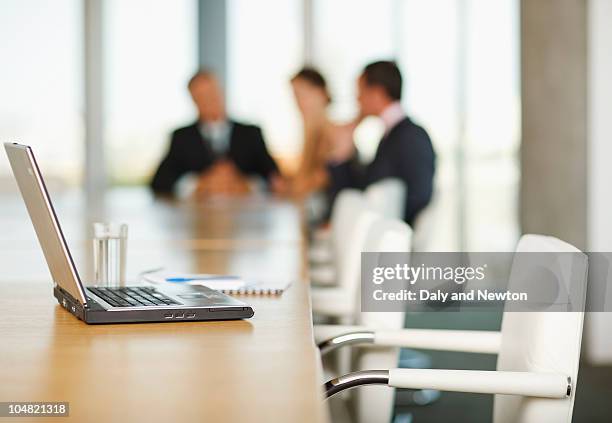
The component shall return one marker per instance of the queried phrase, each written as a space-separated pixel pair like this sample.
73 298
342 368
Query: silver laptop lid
43 217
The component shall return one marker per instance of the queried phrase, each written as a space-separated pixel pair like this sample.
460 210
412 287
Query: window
460 67
41 83
151 52
429 58
492 125
265 49
347 35
459 60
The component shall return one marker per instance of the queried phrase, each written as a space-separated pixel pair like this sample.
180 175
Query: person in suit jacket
224 152
405 151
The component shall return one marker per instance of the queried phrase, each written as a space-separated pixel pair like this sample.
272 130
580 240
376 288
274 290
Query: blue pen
202 278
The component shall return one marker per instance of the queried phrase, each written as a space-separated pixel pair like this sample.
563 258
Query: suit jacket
190 152
405 153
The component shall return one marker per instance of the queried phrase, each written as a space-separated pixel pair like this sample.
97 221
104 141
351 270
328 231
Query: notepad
228 284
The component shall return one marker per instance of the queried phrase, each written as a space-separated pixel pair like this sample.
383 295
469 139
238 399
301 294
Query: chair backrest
385 235
424 226
387 197
543 341
350 247
349 203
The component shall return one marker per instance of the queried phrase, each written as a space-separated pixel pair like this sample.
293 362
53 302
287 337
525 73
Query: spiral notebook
259 288
228 284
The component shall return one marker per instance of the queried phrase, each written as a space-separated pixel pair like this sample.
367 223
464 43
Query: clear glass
110 247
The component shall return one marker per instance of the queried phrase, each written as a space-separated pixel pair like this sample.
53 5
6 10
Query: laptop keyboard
136 296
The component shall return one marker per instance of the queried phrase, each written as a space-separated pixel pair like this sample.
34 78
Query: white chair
339 300
424 226
343 213
386 235
325 253
387 197
538 354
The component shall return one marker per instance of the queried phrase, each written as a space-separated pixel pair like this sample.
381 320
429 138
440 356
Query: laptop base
94 313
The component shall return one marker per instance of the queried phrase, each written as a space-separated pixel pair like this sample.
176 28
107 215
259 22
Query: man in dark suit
222 151
405 151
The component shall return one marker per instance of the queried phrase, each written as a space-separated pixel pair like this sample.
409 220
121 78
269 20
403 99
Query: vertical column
95 164
566 149
598 341
308 22
554 119
212 36
461 105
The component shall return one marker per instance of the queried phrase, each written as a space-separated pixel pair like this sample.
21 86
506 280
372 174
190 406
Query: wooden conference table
265 369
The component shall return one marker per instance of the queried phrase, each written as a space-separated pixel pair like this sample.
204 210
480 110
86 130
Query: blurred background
516 95
129 62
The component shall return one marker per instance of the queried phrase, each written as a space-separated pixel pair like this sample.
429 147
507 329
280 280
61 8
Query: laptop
93 304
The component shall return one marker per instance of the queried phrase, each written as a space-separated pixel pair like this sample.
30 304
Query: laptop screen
43 217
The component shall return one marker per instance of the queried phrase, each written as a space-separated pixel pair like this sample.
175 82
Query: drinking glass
109 247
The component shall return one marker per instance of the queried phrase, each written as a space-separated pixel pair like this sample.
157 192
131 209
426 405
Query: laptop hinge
67 294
